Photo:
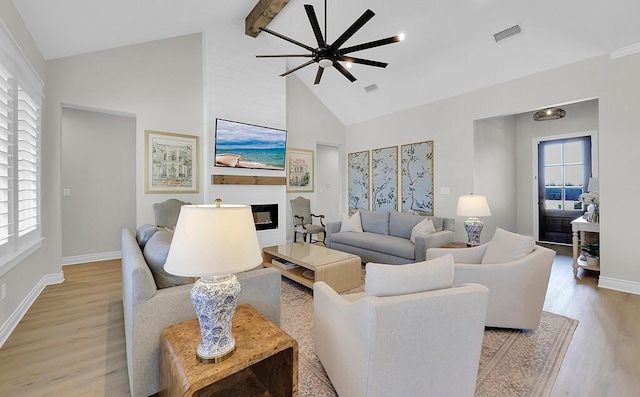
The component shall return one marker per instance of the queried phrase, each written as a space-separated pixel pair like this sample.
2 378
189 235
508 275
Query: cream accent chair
387 343
515 270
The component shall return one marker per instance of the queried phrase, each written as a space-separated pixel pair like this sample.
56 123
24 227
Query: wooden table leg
575 252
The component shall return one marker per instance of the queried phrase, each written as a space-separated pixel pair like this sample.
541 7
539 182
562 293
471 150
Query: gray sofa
148 310
386 237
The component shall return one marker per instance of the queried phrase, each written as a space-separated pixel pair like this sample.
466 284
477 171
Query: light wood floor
71 342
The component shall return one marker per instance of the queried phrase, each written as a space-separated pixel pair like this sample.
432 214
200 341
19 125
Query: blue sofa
386 237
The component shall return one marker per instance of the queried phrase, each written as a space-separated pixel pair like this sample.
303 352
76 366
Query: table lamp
213 242
473 206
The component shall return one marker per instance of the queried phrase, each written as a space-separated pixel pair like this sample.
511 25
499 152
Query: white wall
98 154
495 172
26 280
450 123
310 123
160 82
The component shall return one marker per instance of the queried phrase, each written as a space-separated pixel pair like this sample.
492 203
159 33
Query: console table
265 362
578 227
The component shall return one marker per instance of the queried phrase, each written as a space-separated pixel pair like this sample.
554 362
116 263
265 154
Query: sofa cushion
401 224
375 221
155 253
391 245
144 233
422 229
390 280
351 224
506 247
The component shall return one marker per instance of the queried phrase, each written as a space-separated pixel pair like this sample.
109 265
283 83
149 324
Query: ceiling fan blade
297 68
285 56
311 13
371 44
290 40
319 75
346 58
344 71
353 29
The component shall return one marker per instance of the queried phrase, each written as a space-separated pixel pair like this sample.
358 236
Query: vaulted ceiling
449 47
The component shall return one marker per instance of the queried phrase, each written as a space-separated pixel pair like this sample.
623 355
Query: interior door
564 168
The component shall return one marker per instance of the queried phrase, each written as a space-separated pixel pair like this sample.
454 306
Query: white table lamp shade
212 241
473 205
594 184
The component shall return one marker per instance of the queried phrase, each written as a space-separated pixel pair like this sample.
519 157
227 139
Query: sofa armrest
331 228
471 255
431 240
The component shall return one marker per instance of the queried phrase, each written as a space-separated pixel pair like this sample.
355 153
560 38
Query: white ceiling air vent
371 87
509 32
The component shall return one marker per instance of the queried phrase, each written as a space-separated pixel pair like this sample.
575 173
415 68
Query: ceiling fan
327 55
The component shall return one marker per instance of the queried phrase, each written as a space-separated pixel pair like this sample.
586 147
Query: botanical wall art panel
417 177
171 163
358 175
299 170
384 179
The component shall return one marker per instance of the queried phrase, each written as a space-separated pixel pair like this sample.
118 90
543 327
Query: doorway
98 183
564 169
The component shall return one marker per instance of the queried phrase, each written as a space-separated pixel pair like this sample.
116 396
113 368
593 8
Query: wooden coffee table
342 271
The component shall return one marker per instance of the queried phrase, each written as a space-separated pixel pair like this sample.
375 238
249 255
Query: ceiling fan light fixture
549 114
325 63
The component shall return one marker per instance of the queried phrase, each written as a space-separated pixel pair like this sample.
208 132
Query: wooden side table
578 227
265 361
455 244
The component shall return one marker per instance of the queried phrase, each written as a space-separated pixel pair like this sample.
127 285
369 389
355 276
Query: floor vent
371 87
509 32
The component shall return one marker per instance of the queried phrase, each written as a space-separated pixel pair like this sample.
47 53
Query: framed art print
358 176
299 170
417 177
384 179
171 162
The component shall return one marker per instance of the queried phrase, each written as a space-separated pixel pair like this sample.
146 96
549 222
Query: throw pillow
390 280
353 224
144 233
375 221
155 253
422 229
506 247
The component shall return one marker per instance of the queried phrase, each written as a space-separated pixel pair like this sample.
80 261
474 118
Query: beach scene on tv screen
242 145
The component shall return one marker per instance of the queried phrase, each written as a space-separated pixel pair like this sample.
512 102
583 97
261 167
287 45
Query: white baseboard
619 285
103 256
12 322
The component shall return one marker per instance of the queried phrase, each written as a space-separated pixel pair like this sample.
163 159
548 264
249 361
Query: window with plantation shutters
20 129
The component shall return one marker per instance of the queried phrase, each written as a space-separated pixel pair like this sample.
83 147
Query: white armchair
517 288
416 344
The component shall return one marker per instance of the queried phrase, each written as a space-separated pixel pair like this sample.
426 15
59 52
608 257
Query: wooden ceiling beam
263 12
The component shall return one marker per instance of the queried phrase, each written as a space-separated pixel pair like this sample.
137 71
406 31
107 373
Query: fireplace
265 216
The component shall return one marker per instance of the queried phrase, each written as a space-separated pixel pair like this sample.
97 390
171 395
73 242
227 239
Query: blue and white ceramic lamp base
215 299
473 226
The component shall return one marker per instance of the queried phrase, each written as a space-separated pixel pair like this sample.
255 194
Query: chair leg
304 237
295 235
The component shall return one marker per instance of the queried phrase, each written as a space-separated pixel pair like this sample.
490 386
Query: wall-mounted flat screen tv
242 145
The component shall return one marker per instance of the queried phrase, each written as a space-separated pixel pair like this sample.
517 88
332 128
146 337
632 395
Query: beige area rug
512 362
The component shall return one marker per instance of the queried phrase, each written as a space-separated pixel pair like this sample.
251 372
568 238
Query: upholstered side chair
166 213
303 220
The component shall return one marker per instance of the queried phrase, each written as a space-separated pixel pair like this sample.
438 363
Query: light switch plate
445 190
